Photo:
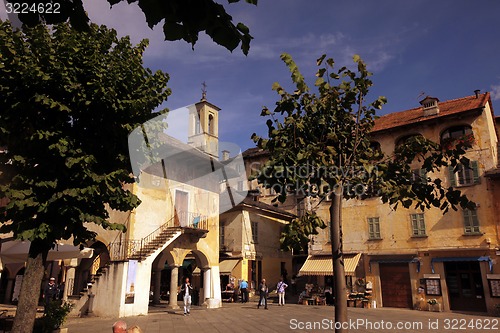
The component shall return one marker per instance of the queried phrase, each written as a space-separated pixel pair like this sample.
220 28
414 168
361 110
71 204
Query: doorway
465 286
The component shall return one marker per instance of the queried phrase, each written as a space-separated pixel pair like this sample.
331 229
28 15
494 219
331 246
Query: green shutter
422 173
451 175
475 171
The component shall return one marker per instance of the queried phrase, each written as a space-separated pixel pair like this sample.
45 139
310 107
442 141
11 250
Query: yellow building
453 257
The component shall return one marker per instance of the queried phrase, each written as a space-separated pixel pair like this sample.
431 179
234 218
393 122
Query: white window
471 223
373 228
418 225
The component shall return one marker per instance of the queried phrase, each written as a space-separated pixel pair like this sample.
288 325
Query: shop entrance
395 285
465 286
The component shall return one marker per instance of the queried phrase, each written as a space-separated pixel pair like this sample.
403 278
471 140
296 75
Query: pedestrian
294 284
186 291
263 290
281 292
120 327
244 291
50 292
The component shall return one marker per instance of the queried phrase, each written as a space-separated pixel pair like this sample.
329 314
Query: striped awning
226 266
322 265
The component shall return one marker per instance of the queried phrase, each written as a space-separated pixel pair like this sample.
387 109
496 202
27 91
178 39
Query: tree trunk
30 288
338 263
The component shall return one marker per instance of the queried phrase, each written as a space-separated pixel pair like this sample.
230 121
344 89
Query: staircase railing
122 250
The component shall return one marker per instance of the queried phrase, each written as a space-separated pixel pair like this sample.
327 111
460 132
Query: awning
17 252
322 265
458 259
395 260
226 266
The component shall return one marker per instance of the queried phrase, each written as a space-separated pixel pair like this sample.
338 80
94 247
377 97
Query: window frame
470 173
418 224
254 226
471 221
374 228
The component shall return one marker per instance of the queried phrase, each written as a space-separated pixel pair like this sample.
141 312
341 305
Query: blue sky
445 48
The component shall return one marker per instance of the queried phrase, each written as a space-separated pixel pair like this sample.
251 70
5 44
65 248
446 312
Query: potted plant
55 316
433 305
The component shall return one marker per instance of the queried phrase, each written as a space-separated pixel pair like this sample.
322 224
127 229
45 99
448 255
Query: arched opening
407 138
88 268
167 278
211 124
453 135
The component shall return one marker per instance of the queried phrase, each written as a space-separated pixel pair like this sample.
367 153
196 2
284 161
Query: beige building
453 257
250 244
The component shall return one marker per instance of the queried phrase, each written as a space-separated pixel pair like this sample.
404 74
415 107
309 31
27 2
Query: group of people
264 293
121 327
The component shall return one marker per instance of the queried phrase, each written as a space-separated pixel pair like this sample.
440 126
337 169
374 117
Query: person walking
186 291
281 291
244 291
50 292
263 290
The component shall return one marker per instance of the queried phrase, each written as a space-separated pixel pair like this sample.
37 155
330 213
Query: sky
445 49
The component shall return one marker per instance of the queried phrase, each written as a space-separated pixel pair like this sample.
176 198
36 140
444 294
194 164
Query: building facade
411 258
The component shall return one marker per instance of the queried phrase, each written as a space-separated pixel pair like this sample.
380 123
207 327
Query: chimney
225 155
477 91
430 105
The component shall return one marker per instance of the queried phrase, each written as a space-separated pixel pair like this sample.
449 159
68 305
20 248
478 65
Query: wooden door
395 285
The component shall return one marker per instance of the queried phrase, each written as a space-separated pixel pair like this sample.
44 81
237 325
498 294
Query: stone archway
171 266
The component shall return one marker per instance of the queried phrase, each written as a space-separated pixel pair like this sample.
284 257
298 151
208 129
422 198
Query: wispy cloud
495 92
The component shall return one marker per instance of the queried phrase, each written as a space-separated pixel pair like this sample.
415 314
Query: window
222 231
418 225
373 228
455 134
197 124
408 138
419 176
255 232
211 125
464 175
471 223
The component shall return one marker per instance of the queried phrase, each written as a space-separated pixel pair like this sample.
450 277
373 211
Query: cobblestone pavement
246 317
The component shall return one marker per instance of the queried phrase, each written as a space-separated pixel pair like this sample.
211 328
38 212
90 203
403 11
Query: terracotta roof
254 152
248 201
416 115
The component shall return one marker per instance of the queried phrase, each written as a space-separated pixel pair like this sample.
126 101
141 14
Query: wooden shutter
451 175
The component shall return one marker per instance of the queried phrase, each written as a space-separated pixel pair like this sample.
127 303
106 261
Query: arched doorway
89 267
170 269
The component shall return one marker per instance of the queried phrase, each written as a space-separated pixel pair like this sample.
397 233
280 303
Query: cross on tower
204 91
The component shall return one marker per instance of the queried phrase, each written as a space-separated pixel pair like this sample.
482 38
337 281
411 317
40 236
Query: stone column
207 284
69 283
174 277
157 286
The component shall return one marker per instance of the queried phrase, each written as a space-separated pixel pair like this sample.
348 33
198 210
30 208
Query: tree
322 139
183 19
68 101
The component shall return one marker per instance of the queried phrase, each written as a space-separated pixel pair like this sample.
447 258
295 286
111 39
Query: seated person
303 295
229 287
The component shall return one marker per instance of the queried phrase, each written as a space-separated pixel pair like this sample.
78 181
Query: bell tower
204 125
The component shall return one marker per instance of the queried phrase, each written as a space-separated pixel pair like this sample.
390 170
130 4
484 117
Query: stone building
453 257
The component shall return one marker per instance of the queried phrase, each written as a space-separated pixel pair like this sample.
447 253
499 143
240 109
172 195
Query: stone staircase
154 244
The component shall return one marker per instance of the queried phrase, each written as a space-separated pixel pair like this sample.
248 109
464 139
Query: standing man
281 291
244 291
50 292
186 291
263 290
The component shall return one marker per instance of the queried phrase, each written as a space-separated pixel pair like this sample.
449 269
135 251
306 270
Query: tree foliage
68 101
319 144
182 19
